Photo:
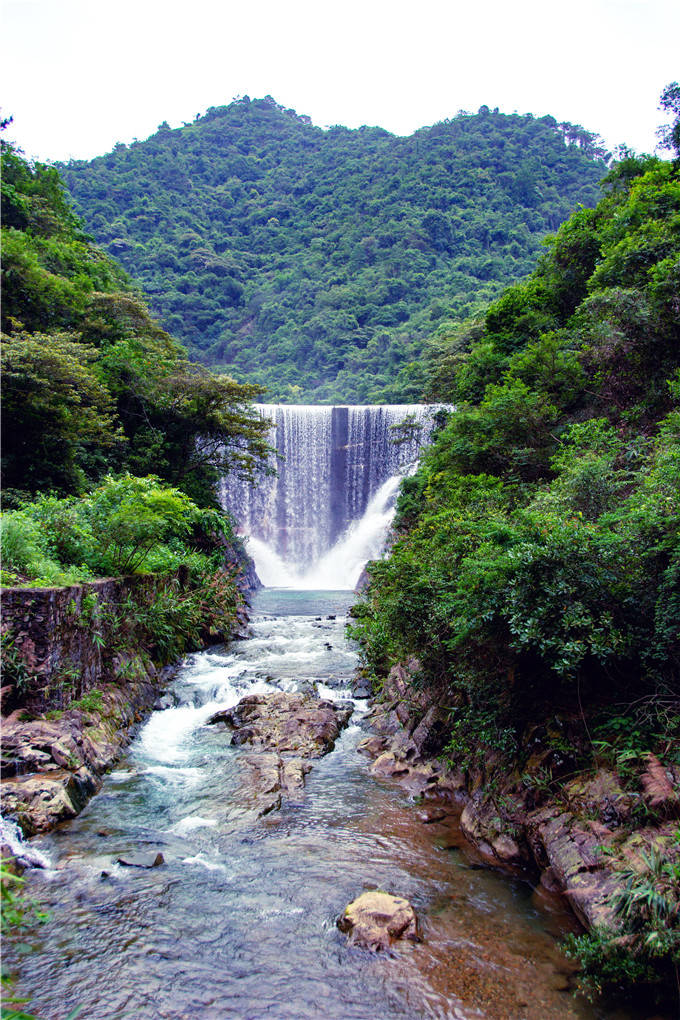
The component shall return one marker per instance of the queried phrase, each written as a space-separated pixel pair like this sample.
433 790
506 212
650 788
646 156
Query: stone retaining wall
62 635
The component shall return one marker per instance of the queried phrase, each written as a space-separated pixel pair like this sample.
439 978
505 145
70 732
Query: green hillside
536 572
91 383
316 261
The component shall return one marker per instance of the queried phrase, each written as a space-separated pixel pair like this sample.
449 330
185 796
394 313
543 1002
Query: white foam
206 863
190 823
340 568
11 836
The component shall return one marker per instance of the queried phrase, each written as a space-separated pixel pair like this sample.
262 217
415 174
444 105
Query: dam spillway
328 508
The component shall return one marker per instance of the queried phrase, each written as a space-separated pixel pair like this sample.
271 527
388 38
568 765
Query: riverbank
84 665
256 878
587 836
53 764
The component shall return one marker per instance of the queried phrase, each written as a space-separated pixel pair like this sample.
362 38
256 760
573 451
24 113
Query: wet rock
336 683
361 687
433 814
372 746
52 766
451 782
167 701
430 734
362 584
293 772
377 919
482 826
41 800
548 881
289 723
572 853
309 689
389 765
261 784
151 859
265 778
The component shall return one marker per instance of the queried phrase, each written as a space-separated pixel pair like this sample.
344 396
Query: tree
669 134
57 416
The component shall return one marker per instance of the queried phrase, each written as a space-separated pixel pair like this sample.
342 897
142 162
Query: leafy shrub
646 947
26 555
125 525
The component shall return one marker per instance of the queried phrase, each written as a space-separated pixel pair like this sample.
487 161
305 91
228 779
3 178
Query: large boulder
42 799
377 919
266 777
288 723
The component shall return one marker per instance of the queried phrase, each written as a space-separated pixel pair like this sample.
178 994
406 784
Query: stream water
240 920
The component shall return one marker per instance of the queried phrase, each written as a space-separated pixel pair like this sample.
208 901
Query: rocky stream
207 877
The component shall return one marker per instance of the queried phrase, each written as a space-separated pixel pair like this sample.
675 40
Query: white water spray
29 856
328 511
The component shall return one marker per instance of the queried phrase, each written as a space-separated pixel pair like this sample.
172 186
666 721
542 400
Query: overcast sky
80 75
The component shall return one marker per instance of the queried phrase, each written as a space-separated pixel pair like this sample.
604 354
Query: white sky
80 75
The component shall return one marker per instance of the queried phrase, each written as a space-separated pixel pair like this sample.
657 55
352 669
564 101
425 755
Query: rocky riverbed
206 880
577 836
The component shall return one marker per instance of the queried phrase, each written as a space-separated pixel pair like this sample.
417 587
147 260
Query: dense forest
91 382
316 261
112 439
535 573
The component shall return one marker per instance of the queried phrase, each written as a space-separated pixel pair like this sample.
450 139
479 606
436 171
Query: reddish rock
482 826
372 746
52 767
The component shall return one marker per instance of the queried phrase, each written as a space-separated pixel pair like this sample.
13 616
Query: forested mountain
316 261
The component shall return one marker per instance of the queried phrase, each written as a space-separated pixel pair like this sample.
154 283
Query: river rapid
240 920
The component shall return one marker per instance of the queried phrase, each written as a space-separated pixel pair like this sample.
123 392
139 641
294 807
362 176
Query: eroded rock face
51 767
377 919
288 723
579 840
265 778
481 824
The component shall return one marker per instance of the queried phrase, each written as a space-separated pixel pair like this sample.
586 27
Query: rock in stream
286 730
376 919
289 723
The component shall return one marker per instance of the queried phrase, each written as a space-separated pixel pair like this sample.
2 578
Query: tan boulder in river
377 919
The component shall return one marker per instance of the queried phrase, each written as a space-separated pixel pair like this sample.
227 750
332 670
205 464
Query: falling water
11 838
328 509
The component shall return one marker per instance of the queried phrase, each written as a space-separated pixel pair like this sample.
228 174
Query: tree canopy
537 561
317 261
91 382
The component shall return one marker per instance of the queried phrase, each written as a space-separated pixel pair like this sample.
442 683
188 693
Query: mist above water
329 508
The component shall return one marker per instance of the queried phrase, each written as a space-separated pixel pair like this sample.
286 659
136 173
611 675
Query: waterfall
328 509
11 838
